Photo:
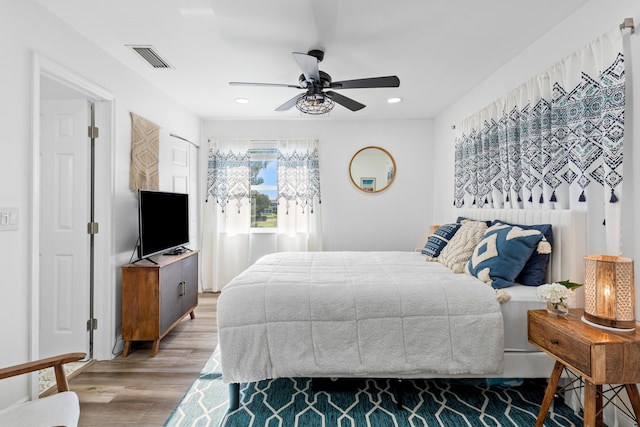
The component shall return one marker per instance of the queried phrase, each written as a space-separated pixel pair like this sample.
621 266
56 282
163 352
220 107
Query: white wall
25 27
395 219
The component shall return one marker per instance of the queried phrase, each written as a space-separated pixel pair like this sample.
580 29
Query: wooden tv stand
156 297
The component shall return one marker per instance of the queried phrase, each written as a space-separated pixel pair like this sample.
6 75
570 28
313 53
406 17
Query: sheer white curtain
226 213
227 239
556 142
299 219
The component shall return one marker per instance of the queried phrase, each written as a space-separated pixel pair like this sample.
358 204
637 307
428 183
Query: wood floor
141 390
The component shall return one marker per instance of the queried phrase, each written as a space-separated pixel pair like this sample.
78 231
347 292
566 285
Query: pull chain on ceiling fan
317 99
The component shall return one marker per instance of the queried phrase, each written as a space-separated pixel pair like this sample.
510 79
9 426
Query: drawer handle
555 342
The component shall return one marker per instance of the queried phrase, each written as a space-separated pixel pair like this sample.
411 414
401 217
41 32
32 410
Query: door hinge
92 228
92 324
93 132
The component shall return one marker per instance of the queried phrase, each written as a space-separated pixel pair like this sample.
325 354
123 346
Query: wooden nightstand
598 356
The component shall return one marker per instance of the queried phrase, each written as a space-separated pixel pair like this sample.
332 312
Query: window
264 188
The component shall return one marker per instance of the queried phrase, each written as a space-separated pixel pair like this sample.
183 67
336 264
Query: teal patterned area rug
301 402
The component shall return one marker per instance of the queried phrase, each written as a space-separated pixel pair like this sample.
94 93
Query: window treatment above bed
555 142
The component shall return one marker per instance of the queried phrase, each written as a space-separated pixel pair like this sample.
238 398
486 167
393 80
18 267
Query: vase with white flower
557 296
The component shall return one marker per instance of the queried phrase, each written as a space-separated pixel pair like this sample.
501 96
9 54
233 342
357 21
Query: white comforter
366 314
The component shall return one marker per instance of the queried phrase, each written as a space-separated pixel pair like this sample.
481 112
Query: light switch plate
8 219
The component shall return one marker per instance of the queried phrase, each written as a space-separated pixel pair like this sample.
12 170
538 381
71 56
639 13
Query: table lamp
609 293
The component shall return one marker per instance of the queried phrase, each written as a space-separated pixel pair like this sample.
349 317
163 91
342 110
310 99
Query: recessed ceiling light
242 100
394 100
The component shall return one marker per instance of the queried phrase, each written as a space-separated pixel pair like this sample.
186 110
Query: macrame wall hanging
145 141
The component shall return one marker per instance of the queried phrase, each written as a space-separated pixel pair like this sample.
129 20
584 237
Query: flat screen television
163 222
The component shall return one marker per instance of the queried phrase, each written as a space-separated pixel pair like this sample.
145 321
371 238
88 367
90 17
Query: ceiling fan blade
344 101
309 65
290 103
387 81
264 84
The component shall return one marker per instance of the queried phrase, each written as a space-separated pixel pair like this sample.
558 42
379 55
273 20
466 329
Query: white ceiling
439 49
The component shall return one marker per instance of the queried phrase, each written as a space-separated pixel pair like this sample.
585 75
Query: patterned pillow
534 272
502 253
457 253
438 240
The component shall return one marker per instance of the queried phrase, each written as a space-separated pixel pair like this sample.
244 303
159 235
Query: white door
178 172
64 242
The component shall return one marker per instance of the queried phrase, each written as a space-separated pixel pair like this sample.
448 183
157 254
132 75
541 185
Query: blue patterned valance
298 173
554 142
228 173
527 151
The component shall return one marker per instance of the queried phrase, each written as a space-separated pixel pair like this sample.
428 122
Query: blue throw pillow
534 272
439 239
502 253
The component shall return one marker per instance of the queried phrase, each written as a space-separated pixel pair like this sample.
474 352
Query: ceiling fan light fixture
394 100
242 100
315 104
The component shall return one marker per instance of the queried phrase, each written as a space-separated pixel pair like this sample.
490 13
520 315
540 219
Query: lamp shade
609 292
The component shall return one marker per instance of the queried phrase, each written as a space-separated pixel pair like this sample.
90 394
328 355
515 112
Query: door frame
104 268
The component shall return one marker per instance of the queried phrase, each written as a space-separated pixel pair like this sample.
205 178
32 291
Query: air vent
149 54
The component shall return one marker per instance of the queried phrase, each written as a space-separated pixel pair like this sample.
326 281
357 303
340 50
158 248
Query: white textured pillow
460 248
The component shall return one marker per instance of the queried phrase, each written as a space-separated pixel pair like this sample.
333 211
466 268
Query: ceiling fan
319 98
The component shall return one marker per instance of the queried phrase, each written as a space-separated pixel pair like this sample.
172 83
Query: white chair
60 409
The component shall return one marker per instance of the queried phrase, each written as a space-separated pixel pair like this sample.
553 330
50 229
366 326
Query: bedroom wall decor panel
555 141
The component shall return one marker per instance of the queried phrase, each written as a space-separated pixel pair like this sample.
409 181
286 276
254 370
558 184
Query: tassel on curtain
298 174
554 139
227 241
228 173
299 216
145 141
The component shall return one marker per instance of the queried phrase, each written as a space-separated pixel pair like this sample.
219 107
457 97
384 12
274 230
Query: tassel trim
502 296
582 197
541 199
553 197
544 247
613 198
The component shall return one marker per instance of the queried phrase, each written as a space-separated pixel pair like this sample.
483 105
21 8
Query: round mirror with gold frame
372 169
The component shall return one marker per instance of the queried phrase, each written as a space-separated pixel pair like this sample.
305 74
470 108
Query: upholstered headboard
569 236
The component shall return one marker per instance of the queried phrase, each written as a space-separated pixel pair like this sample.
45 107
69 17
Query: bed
386 314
